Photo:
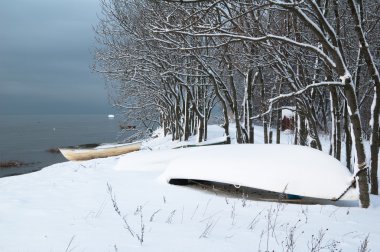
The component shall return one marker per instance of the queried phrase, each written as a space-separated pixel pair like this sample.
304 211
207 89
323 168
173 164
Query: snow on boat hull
75 154
286 169
216 141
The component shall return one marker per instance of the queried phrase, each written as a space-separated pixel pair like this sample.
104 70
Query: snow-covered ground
124 204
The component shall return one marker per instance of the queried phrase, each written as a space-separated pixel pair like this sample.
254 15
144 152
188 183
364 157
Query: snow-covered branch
301 91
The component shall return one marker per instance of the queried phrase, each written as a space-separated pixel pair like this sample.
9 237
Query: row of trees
177 65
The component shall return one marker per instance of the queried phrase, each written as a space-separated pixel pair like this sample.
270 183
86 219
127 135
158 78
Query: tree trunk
356 130
302 134
270 136
249 104
376 77
375 141
296 129
177 118
226 124
205 120
347 133
200 130
279 117
338 134
235 110
324 113
186 109
312 129
278 126
263 107
335 122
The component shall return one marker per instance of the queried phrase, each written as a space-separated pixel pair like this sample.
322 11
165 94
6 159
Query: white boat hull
74 154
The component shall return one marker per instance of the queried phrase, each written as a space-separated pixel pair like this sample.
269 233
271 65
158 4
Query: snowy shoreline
70 206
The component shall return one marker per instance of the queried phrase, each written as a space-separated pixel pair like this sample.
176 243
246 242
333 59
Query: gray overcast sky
45 57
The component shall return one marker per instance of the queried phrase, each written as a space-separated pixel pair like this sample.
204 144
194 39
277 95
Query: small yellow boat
91 151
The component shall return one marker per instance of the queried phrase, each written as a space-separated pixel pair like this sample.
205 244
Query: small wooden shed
287 120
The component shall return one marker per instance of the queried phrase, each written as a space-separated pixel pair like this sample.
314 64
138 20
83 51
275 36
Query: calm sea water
27 138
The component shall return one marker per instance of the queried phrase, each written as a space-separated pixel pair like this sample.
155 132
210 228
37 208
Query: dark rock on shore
11 164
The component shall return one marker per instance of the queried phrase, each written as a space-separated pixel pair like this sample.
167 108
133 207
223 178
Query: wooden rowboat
91 151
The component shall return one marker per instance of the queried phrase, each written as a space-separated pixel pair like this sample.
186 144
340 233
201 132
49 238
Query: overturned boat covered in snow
285 169
91 151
